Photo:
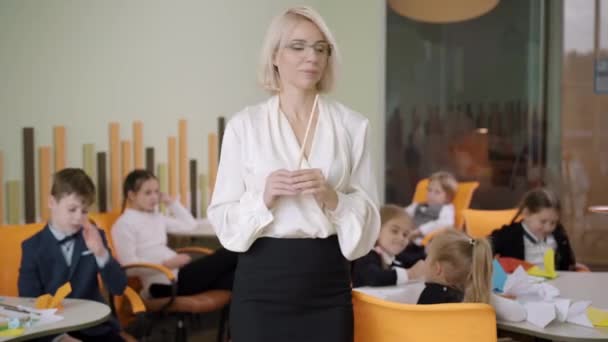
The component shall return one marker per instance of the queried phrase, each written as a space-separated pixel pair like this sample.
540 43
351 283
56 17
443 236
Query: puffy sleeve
237 214
356 218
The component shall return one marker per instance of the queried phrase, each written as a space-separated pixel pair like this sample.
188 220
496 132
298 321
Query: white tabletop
591 286
203 229
77 314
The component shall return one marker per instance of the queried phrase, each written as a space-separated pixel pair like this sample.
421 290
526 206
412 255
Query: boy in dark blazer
70 249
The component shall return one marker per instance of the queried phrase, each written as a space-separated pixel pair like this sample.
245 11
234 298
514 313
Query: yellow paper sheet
598 318
11 332
47 302
549 271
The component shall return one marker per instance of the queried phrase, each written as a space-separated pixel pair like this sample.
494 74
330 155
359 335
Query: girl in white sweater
140 235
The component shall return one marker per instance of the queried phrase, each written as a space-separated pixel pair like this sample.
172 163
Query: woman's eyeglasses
320 48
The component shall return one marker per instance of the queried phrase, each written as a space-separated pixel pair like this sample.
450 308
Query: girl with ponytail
459 269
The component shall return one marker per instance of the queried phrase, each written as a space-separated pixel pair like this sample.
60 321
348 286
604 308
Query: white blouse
140 236
259 140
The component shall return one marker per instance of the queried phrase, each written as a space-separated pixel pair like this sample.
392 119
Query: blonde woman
295 193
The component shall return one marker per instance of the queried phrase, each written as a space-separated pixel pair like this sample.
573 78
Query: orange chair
180 306
11 237
481 223
461 201
379 320
105 221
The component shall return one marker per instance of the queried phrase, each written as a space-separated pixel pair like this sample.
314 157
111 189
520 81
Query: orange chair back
105 221
462 199
481 223
379 320
11 237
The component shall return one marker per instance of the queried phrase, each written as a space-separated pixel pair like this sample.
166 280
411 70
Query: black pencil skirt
292 290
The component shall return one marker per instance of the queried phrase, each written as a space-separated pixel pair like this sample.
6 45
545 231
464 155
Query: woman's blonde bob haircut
278 32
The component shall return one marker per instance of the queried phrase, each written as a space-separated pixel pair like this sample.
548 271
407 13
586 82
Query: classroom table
591 286
573 285
77 314
202 235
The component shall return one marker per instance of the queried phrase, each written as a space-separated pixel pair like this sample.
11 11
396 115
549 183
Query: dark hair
536 200
73 181
133 182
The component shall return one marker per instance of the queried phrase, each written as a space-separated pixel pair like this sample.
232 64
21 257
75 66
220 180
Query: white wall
83 64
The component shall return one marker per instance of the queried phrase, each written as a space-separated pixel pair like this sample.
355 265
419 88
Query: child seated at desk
434 214
538 231
458 269
140 235
379 267
70 249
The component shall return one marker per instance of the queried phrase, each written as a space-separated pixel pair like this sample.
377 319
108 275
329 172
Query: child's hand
166 199
92 239
417 271
177 261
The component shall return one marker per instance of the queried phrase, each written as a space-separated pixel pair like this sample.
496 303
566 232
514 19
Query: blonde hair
467 263
280 26
392 211
447 181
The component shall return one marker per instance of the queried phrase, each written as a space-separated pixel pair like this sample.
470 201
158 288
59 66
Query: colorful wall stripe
59 147
1 187
126 159
172 158
202 183
29 175
183 162
102 182
14 201
161 174
115 178
193 189
25 200
213 160
44 180
221 127
150 159
88 159
138 144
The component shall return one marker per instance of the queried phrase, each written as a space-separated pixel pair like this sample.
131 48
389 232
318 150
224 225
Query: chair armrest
195 250
160 268
137 305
